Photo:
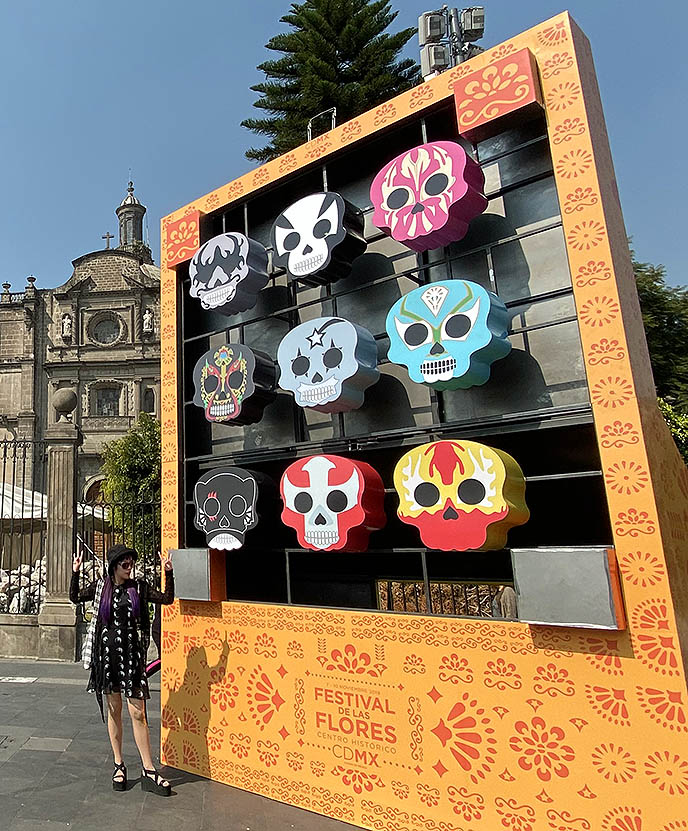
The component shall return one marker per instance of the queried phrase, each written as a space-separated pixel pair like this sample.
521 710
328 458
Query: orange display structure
419 723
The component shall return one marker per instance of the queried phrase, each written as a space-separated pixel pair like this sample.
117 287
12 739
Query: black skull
225 501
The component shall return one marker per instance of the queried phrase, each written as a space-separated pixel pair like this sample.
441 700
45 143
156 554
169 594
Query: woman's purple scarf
105 609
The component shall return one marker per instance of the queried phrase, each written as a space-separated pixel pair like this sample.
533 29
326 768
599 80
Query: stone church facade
98 335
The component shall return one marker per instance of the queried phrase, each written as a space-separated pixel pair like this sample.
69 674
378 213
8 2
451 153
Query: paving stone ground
56 767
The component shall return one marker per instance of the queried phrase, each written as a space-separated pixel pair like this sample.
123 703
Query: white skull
320 503
227 272
328 363
304 235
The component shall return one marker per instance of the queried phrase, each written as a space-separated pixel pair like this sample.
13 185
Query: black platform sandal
119 784
151 781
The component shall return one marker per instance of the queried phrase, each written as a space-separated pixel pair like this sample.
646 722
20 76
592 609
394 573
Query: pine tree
336 55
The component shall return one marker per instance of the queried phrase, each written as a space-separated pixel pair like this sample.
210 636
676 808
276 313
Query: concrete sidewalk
56 767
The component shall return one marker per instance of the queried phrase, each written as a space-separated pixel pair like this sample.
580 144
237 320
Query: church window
106 331
149 401
106 402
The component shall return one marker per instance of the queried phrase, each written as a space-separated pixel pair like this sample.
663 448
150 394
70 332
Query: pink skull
427 196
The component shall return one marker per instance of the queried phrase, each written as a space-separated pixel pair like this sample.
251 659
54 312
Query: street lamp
446 37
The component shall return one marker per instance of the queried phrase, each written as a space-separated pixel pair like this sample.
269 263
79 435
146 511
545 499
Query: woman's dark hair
105 608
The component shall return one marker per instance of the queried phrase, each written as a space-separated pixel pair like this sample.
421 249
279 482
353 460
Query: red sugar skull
427 196
333 503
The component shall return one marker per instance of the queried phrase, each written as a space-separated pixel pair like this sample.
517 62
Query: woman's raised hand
76 561
166 560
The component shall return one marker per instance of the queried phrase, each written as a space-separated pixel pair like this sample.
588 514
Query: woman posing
115 652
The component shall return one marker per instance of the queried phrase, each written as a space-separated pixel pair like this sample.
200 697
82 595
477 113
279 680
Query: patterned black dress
119 654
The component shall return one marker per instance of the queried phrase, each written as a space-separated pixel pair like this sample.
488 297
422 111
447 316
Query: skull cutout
427 196
460 495
328 363
234 384
448 334
317 238
225 501
227 272
333 503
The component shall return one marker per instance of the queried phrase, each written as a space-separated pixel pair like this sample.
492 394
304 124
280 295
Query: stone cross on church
107 237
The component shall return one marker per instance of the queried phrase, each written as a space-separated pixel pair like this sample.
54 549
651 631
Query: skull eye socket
211 383
211 506
235 379
458 326
322 228
332 357
300 365
471 492
291 241
303 502
426 494
436 184
397 198
336 501
416 334
237 505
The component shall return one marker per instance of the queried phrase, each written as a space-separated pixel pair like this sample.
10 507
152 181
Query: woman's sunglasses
127 564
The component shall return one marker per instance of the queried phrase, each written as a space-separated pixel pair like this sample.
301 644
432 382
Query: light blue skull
448 334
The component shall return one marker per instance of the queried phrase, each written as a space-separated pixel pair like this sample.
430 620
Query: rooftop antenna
446 37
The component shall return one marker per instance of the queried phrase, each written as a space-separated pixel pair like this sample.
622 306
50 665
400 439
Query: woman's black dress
119 651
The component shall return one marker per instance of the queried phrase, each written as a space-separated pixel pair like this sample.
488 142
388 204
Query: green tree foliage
678 424
336 55
665 316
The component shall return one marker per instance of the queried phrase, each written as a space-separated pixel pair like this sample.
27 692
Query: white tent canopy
21 504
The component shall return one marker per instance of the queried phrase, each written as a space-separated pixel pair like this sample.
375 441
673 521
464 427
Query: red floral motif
574 164
414 665
553 34
541 749
384 113
609 703
317 768
268 753
563 95
666 707
401 791
212 202
212 638
190 755
168 718
235 189
223 690
633 522
618 434
641 568
190 722
626 477
319 146
612 392
287 163
568 128
169 754
237 642
265 645
350 130
603 653
358 780
501 675
239 744
679 825
579 200
454 75
501 51
599 311
261 176
623 819
170 640
605 351
182 239
469 736
668 771
455 669
470 806
215 736
263 698
294 649
351 662
556 64
552 680
564 821
428 796
171 680
295 761
654 637
515 817
420 95
614 763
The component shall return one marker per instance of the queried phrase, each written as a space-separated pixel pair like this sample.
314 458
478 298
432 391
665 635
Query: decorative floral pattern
455 669
553 34
515 817
619 434
574 164
614 763
553 680
604 351
556 64
668 771
563 96
264 699
470 806
541 749
357 779
568 130
469 736
612 392
623 819
414 665
268 753
351 662
610 703
654 638
626 477
666 707
588 234
501 675
428 796
633 522
492 91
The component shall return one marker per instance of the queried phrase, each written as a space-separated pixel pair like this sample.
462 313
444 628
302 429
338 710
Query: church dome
129 199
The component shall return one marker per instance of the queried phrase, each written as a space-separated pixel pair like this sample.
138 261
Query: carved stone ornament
333 503
448 334
227 272
317 238
427 196
328 363
233 384
460 495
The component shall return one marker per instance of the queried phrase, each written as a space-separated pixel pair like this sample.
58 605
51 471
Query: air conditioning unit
473 23
434 58
432 27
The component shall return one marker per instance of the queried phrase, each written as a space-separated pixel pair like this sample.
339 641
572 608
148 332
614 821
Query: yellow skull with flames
460 495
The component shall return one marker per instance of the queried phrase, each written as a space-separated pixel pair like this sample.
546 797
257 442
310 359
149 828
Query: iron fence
23 520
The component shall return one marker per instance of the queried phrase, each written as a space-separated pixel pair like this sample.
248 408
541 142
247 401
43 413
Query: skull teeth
317 393
322 539
217 297
221 409
442 369
307 265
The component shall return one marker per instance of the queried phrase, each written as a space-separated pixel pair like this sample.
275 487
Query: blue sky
91 89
